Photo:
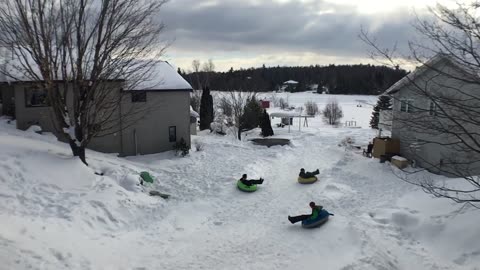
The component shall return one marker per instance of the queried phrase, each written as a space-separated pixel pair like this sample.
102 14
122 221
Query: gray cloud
267 26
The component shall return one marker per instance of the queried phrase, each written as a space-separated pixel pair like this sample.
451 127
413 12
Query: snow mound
34 128
131 183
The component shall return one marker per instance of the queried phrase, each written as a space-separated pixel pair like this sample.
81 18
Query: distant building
290 82
289 86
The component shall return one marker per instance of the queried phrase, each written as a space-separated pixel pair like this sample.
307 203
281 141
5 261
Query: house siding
28 116
430 154
385 120
165 109
45 118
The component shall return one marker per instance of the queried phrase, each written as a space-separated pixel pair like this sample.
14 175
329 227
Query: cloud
231 30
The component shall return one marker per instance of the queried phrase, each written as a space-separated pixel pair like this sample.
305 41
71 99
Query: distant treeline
338 79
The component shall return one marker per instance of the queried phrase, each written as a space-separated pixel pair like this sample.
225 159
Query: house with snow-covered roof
161 105
289 86
436 117
290 82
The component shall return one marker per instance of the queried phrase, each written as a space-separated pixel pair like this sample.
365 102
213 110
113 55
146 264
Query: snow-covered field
55 213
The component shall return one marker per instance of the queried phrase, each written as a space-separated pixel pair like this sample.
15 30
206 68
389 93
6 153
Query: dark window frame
28 97
138 96
172 137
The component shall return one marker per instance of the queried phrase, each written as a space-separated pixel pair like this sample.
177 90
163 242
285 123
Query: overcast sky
249 33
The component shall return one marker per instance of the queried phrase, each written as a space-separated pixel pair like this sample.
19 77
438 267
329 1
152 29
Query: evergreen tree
383 103
206 109
346 79
301 87
251 117
266 125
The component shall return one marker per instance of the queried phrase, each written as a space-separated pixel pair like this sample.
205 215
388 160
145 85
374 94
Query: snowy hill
58 214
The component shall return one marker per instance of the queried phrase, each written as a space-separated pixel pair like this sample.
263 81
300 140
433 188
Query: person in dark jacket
250 182
304 174
368 151
315 211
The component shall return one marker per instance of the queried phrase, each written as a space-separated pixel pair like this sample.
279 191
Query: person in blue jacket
315 211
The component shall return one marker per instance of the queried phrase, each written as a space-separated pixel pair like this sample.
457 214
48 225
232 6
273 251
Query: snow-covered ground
55 213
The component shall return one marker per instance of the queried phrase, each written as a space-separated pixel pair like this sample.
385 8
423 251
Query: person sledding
251 182
304 174
315 211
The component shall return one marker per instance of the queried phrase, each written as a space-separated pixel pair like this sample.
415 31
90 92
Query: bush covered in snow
218 127
283 104
181 147
198 145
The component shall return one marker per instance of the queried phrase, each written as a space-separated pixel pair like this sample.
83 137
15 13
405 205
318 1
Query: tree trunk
239 134
78 151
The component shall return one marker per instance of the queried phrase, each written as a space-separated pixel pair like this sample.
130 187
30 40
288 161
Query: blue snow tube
322 217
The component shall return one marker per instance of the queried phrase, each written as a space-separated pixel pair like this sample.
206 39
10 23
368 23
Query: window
36 97
139 96
433 108
172 134
406 105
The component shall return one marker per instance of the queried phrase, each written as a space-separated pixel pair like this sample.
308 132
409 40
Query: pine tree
251 117
266 125
383 103
206 109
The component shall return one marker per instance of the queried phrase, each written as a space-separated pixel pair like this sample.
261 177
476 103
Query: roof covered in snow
428 65
164 77
291 82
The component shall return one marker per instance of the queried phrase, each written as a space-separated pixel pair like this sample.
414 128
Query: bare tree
208 69
225 106
236 101
196 70
80 52
441 117
195 99
332 112
311 108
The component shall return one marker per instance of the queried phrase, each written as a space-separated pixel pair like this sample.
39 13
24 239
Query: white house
436 117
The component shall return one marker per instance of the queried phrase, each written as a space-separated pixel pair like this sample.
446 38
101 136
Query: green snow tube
309 180
246 188
146 177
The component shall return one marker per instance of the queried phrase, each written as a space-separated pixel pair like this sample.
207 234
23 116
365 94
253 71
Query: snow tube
246 188
309 180
146 177
318 221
